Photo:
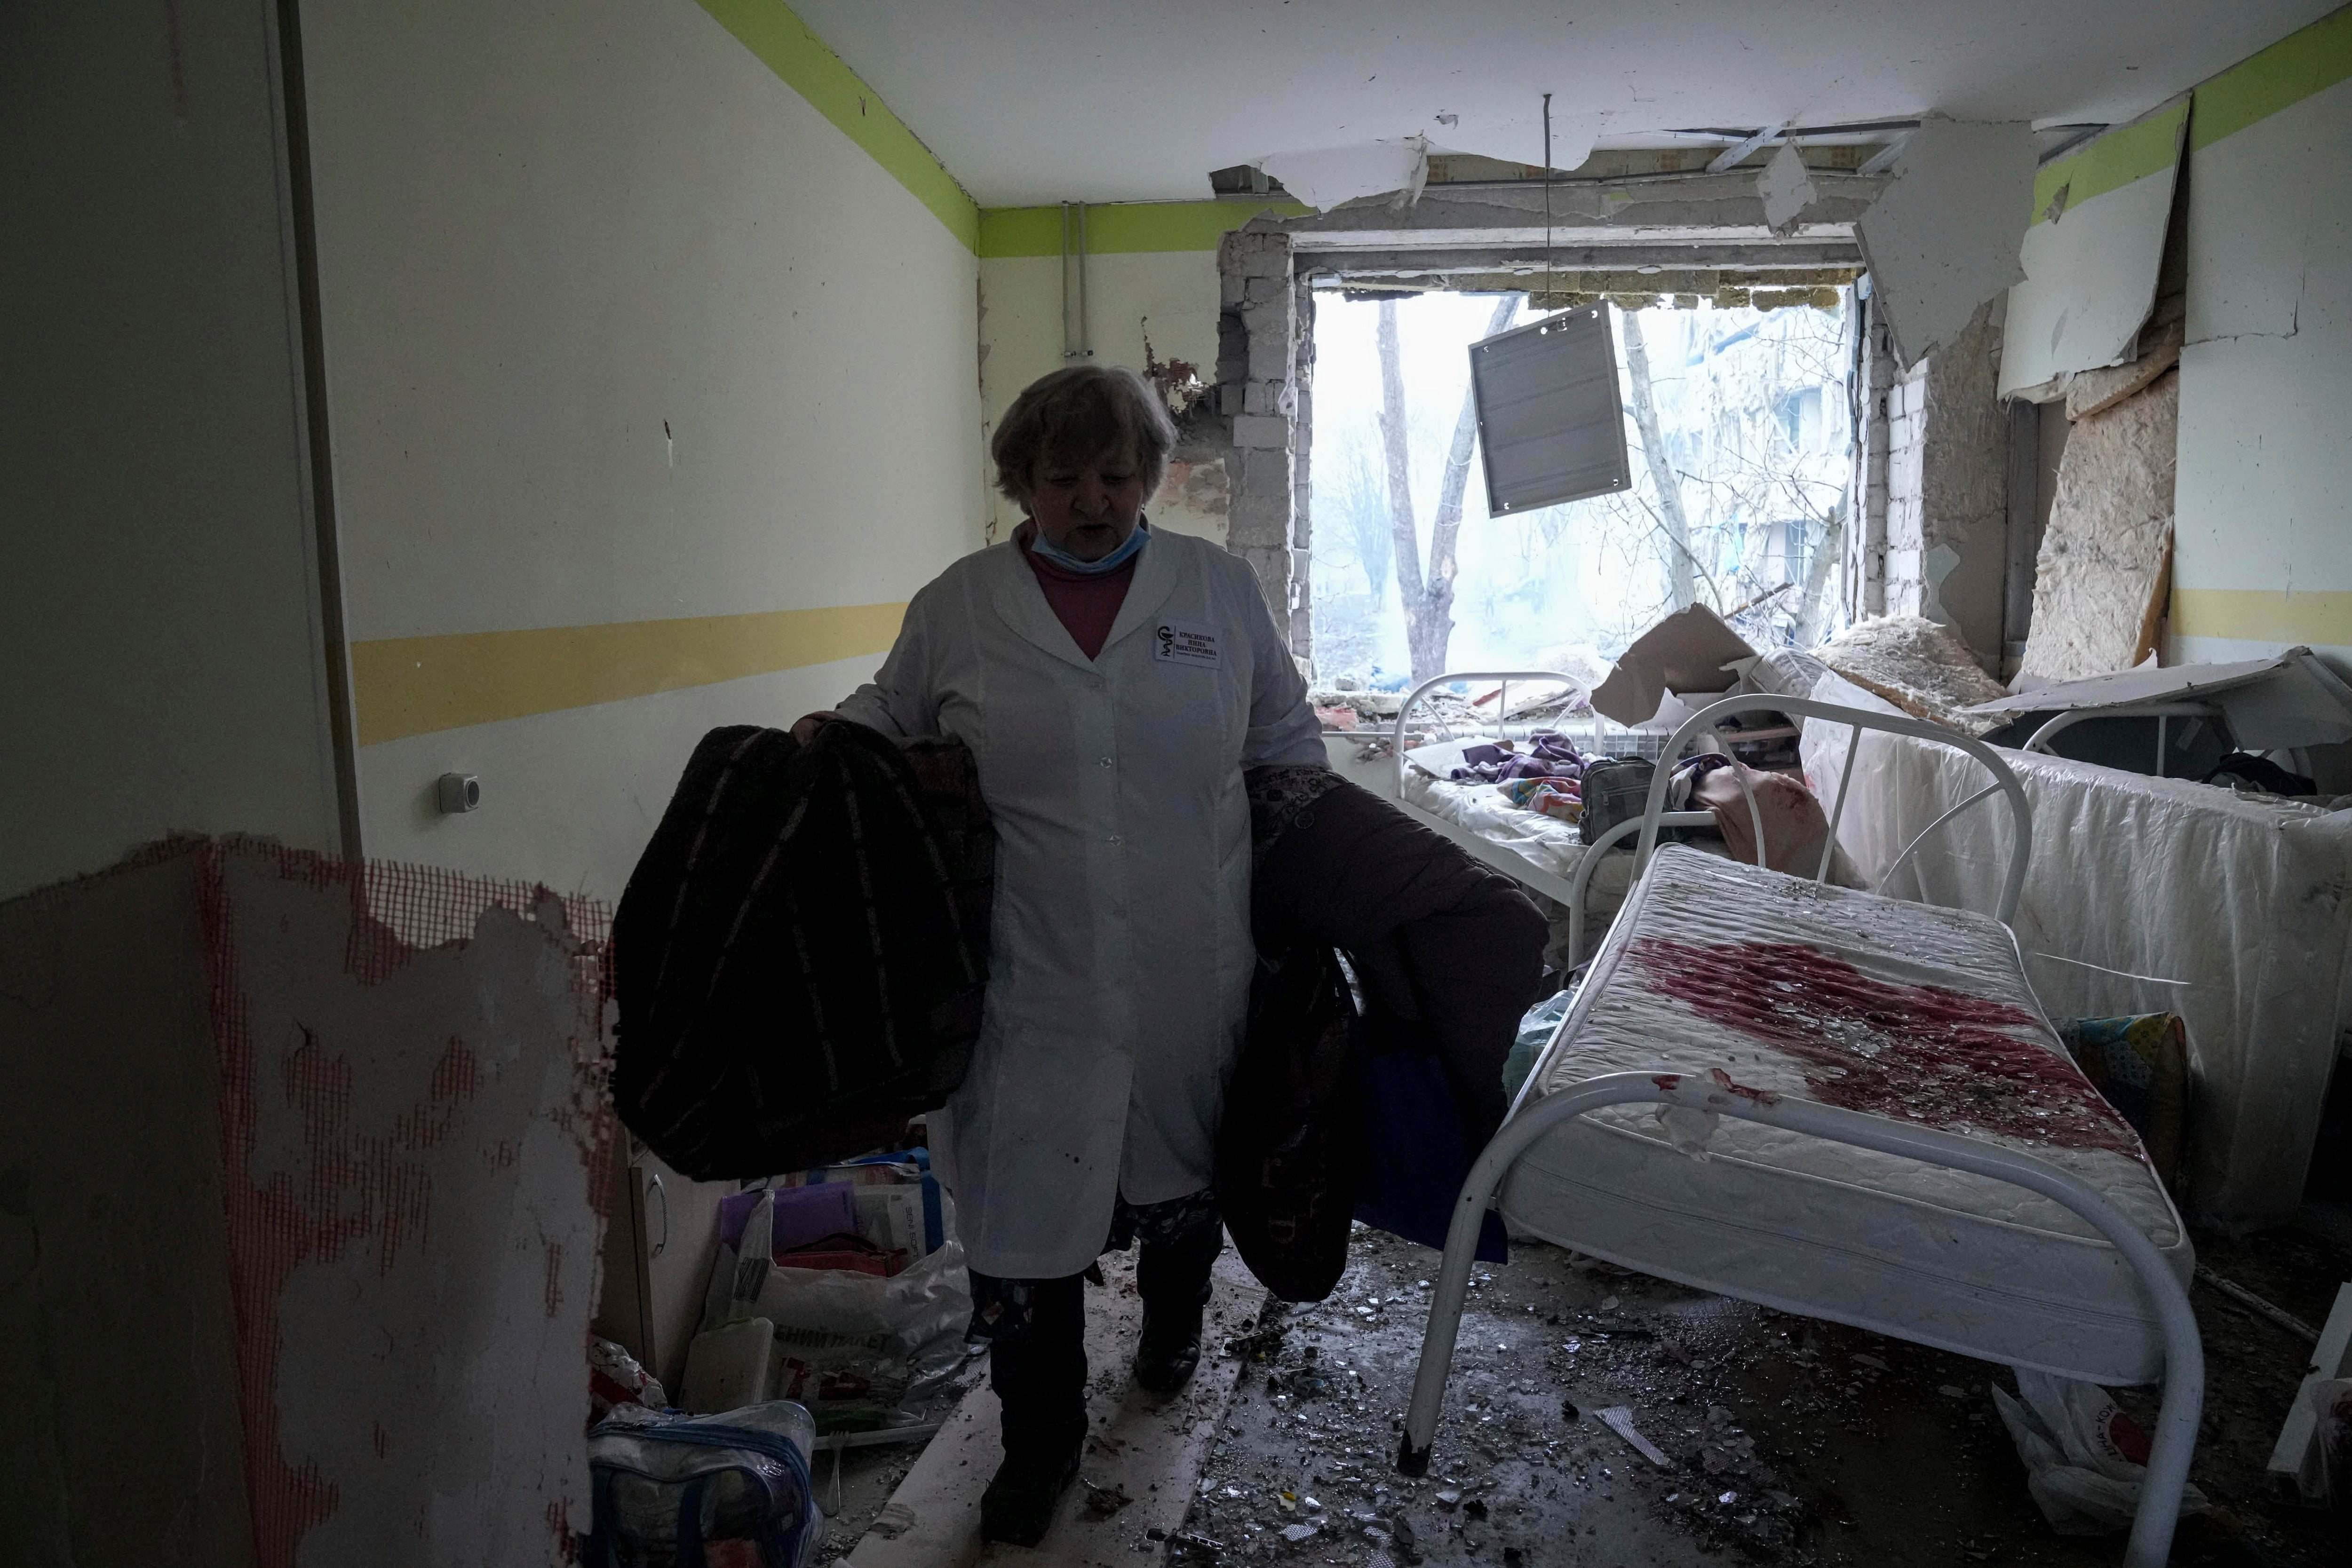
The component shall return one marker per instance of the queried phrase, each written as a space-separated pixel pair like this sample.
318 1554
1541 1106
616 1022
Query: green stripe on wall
2145 147
2322 619
801 59
2286 73
1120 227
416 686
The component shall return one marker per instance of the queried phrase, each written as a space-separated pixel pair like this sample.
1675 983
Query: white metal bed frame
2175 1438
1502 857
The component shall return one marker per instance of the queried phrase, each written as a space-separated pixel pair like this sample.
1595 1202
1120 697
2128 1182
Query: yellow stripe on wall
2258 615
416 686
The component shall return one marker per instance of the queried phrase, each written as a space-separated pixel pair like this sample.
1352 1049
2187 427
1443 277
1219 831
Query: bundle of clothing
1547 777
760 1029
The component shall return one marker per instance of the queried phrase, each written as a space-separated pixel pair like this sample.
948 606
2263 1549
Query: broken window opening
1738 423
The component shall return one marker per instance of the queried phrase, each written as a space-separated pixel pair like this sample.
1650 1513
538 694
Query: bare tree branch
1653 451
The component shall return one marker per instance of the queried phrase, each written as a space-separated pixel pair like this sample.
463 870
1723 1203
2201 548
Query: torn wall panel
1944 238
2100 584
2093 253
342 1289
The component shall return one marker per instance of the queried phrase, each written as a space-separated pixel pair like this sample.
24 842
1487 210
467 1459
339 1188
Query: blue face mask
1127 551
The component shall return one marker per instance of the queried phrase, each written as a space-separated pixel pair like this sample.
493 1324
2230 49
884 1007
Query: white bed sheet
1481 819
1929 1017
1550 842
2246 905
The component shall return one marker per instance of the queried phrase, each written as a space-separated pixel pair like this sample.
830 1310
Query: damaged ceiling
1044 100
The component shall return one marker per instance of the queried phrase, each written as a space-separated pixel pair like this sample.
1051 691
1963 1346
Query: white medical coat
1121 953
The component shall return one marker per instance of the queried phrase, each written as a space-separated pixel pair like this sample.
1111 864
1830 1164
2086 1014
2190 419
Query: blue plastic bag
1418 1157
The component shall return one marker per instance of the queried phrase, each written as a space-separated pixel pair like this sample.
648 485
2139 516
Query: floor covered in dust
1788 1439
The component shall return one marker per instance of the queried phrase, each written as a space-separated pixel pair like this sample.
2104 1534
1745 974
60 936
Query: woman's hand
805 728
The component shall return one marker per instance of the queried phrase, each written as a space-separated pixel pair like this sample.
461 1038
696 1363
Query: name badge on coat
1175 643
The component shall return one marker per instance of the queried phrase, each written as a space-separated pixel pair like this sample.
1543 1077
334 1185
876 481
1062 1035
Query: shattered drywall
370 1232
2100 586
1324 177
1786 188
2092 256
1944 238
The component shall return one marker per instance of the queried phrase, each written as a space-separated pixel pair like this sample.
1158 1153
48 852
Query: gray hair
1082 410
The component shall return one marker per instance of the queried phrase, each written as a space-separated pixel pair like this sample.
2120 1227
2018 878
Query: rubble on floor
1786 1439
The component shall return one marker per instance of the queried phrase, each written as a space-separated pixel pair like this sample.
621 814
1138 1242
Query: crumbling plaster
298 1221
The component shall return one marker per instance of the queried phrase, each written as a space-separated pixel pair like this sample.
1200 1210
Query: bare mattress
1906 1011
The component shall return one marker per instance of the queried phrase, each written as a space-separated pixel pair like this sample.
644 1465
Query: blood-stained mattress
1910 1011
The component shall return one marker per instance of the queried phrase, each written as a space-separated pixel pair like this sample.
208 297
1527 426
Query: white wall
161 663
621 329
2264 532
1169 296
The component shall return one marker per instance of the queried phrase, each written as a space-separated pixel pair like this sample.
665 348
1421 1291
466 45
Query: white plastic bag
2083 1458
2325 1480
860 1350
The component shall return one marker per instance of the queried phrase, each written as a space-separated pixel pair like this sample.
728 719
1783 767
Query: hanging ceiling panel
1551 422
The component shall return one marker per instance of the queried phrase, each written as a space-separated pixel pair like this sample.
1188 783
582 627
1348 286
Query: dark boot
1171 1275
1040 1377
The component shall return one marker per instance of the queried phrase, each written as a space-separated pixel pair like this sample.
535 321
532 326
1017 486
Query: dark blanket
1449 954
1449 950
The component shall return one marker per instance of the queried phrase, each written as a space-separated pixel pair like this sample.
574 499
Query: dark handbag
1290 1153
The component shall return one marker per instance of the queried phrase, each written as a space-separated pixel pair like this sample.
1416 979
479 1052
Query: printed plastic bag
713 1492
2083 1458
863 1351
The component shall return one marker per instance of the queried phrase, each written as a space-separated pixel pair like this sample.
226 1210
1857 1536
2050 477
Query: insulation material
2095 392
2101 583
1919 665
2093 253
393 1077
1944 238
2145 895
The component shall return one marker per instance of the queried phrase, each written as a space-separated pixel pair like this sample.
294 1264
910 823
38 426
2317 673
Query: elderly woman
1113 681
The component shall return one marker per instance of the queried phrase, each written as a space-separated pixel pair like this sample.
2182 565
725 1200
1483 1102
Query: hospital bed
1543 853
1846 1106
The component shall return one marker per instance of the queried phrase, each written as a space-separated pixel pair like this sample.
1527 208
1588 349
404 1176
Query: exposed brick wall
1933 459
1866 569
1259 391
